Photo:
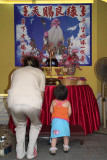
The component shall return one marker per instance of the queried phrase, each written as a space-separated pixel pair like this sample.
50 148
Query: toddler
60 110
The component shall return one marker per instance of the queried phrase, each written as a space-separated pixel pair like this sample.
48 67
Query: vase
71 70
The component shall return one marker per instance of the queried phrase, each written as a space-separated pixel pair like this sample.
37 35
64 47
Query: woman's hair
31 61
61 92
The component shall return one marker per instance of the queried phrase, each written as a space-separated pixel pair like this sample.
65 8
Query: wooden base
77 133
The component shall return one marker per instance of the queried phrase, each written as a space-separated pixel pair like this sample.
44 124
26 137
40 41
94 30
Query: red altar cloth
85 110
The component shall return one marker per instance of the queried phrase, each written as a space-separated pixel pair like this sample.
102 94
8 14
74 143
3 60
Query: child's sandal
66 148
53 150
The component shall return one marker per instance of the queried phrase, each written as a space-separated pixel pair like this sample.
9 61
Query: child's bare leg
53 142
66 140
66 143
53 146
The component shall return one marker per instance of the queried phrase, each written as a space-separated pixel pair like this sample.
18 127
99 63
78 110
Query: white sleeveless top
26 86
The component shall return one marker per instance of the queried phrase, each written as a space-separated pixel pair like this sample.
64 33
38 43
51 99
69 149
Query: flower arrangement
69 55
36 53
39 57
70 59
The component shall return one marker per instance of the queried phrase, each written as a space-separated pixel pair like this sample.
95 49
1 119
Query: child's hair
31 61
61 92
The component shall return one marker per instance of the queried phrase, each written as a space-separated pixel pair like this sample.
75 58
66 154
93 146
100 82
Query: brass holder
58 71
48 71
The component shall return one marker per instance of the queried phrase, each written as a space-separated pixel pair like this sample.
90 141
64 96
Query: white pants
19 115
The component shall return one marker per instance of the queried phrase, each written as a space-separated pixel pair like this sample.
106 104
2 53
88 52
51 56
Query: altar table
84 106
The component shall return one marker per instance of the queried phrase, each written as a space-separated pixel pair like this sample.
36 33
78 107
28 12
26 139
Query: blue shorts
59 128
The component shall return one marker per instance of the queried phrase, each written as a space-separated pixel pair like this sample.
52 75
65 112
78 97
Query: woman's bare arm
42 94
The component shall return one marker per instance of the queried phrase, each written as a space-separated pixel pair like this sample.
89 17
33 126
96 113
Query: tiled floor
94 148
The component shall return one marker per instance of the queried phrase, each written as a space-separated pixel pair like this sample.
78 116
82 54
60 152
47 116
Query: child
61 110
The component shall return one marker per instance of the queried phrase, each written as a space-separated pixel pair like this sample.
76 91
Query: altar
85 110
